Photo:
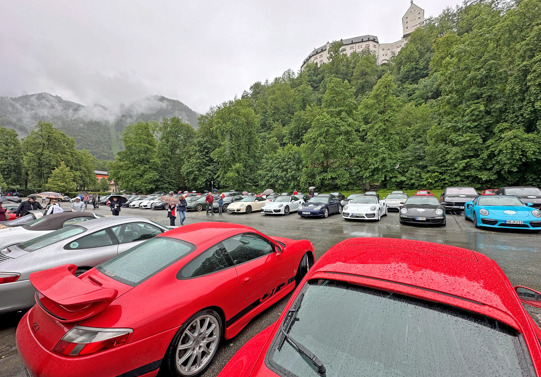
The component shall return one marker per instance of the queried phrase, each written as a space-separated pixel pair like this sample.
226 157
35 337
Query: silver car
84 244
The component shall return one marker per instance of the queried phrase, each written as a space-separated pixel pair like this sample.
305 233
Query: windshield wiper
306 352
286 325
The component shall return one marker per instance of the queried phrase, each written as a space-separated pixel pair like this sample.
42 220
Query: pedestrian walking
78 205
210 202
30 205
85 200
2 213
182 209
115 206
220 205
172 213
53 207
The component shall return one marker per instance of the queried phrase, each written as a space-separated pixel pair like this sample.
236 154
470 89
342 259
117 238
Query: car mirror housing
278 249
528 296
529 204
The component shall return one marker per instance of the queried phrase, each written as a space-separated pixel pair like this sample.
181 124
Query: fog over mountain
96 128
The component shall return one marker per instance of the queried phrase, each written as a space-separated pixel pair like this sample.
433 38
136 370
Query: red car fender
242 362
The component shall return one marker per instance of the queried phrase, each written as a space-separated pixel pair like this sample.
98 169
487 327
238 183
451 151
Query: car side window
133 232
75 220
97 239
212 260
246 247
475 201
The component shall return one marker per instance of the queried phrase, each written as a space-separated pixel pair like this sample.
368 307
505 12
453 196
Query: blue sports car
320 206
502 211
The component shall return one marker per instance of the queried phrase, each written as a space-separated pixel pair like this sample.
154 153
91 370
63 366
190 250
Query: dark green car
198 204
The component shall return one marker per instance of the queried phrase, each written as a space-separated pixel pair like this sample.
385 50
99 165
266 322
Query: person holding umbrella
115 205
171 210
29 205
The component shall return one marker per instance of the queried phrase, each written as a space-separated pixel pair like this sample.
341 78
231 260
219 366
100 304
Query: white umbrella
268 192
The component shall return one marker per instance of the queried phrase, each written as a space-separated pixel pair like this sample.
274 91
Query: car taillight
9 277
81 340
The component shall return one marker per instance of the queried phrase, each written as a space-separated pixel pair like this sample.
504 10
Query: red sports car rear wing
67 298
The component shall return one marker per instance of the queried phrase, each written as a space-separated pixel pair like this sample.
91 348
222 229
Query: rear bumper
16 296
500 224
141 358
428 221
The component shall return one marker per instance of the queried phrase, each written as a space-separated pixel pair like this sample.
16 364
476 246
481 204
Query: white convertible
282 205
365 207
247 205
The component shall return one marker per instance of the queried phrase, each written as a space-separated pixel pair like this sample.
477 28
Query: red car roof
434 267
200 232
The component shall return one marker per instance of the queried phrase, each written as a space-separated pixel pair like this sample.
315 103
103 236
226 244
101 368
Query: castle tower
414 17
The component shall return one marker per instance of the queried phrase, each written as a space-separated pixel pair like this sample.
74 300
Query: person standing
220 205
78 205
182 209
85 200
295 192
2 213
29 205
115 206
210 202
54 207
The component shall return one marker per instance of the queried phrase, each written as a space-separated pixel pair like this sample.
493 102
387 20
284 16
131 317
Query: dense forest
459 105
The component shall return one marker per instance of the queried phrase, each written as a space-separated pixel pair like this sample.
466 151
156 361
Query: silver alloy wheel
326 212
286 210
197 345
339 208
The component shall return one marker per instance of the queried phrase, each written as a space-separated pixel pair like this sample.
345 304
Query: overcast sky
199 52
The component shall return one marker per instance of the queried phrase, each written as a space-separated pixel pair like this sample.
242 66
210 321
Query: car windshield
283 199
422 200
357 331
365 200
461 191
353 195
500 201
145 260
527 191
319 199
249 199
51 238
397 196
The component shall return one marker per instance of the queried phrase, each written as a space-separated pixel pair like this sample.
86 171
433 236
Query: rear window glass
144 260
357 331
461 191
51 238
527 191
397 196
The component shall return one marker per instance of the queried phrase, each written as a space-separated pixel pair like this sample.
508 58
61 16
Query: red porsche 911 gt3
385 307
164 304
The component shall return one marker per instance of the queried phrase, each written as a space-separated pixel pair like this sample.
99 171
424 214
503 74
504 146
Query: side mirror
529 204
469 206
529 296
278 249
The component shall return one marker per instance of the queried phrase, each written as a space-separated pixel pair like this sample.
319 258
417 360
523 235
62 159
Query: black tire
249 209
444 223
475 220
81 271
304 266
286 210
466 217
199 207
339 209
170 364
326 213
224 208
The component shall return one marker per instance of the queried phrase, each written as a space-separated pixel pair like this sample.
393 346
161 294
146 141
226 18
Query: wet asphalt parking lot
517 252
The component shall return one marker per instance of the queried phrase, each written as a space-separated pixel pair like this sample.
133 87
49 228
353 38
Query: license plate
461 207
420 218
513 222
306 213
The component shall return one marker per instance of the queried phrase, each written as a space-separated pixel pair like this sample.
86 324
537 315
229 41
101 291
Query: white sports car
282 205
137 203
149 202
365 207
247 205
396 201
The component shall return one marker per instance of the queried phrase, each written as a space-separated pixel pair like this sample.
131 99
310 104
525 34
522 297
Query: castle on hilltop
412 19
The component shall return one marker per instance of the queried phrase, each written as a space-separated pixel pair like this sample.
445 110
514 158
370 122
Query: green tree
103 185
3 184
134 168
11 158
61 179
282 170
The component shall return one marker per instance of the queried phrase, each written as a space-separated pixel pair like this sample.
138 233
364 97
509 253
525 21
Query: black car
320 206
338 195
422 210
227 201
527 194
345 201
455 198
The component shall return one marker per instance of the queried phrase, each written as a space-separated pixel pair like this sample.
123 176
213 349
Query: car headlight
280 206
403 210
483 212
439 212
536 213
346 208
446 199
373 208
318 208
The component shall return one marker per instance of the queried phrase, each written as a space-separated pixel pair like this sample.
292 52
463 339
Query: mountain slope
95 128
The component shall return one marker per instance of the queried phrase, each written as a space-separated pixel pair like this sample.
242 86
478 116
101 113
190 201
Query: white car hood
360 207
276 205
396 201
238 204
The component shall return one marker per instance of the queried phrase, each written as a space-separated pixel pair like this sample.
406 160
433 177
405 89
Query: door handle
246 280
